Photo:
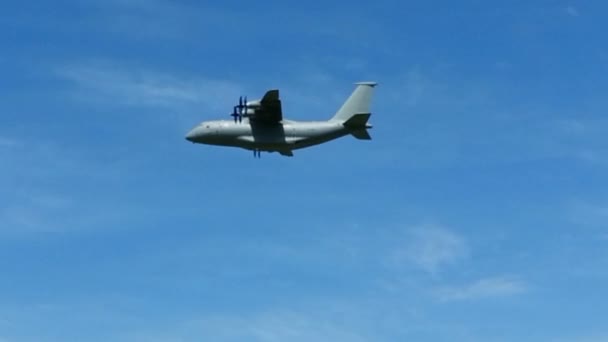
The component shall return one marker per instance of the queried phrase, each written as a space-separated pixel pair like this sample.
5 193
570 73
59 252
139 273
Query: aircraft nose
191 135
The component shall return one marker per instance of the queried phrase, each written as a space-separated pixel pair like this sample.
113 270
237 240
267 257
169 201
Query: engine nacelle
252 107
254 104
249 111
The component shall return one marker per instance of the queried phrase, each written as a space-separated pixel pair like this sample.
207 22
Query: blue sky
479 211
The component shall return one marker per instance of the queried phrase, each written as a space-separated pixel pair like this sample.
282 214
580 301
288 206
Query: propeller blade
241 106
234 113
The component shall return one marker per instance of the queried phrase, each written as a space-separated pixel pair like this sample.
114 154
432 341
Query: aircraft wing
270 110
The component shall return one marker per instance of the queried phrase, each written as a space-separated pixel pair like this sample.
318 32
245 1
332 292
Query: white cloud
431 247
137 87
483 288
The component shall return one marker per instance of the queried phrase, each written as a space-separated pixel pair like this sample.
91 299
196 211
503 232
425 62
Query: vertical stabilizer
358 102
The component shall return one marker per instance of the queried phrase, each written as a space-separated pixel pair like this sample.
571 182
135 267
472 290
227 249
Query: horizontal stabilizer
357 120
286 153
361 134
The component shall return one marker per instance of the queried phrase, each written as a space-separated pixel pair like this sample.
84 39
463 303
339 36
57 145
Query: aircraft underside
282 145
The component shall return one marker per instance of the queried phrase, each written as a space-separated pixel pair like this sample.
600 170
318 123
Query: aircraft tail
361 134
358 102
357 124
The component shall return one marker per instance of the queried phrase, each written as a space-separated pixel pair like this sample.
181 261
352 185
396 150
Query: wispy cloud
280 326
431 248
582 139
34 213
34 203
433 87
270 325
483 288
589 213
177 20
27 206
100 82
8 142
309 92
587 337
154 19
416 85
572 11
517 131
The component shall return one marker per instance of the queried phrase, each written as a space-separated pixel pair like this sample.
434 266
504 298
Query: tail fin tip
368 83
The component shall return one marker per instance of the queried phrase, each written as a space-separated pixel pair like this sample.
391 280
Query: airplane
259 125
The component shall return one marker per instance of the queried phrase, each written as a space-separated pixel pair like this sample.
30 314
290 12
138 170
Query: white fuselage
284 136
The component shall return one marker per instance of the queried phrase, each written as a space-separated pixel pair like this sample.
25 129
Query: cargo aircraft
259 125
